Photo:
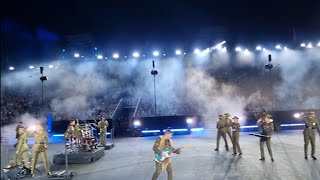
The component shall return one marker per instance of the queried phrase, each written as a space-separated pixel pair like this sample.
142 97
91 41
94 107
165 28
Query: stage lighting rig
154 72
269 66
42 78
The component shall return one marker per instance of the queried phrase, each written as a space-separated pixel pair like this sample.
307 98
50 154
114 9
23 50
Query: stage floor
132 159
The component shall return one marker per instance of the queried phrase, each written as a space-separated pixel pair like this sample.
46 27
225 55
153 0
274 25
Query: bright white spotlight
310 45
219 46
76 55
100 56
285 48
178 52
196 51
278 46
164 54
189 120
258 48
136 54
136 123
11 68
297 115
246 52
264 49
303 45
56 67
318 44
155 53
50 66
238 49
206 51
31 67
115 56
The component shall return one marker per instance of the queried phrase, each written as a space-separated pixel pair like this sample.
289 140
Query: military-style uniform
236 136
309 134
221 126
41 143
158 147
266 128
103 124
228 126
22 150
17 129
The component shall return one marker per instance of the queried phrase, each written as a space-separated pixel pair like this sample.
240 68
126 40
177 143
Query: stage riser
79 158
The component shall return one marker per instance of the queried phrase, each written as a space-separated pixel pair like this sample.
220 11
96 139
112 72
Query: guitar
159 158
260 135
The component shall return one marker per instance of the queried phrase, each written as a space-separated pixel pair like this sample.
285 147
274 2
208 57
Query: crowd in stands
98 107
14 104
172 108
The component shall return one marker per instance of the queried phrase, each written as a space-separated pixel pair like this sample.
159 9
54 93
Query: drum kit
87 140
82 138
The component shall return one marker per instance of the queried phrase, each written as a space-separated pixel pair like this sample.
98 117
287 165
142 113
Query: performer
72 131
265 124
22 149
163 146
20 125
236 136
103 124
228 126
221 126
309 134
41 144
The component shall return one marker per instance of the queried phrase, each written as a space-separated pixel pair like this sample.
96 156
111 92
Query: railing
135 111
116 108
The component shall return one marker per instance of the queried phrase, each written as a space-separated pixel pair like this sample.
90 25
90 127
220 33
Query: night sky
165 19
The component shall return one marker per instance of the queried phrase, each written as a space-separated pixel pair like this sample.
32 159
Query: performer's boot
314 158
262 159
272 159
305 156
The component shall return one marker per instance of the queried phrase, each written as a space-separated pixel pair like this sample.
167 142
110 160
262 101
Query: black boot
216 149
314 158
305 157
262 159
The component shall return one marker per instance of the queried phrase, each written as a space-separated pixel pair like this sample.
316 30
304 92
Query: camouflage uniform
236 136
103 124
41 143
266 128
158 146
221 126
228 126
309 133
22 149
